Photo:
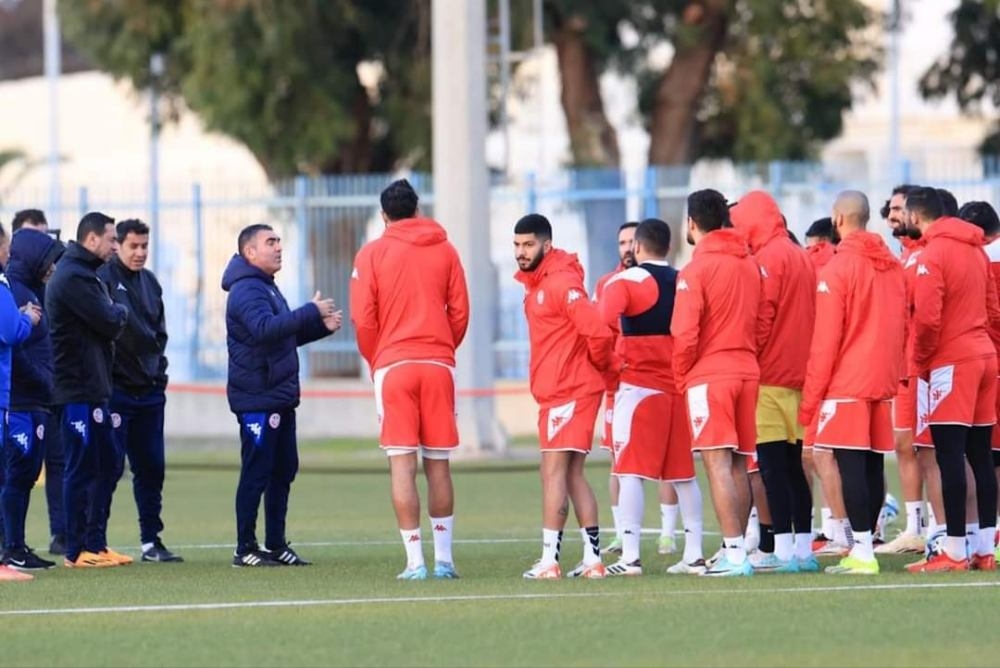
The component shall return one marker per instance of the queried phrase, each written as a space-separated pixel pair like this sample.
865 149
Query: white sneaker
832 548
543 571
904 543
620 567
666 545
683 568
715 557
594 571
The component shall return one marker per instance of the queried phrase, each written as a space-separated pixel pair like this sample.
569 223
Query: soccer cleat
160 554
8 574
721 552
853 566
832 549
819 542
445 570
725 568
683 568
413 573
763 561
666 545
983 562
57 546
25 559
888 513
614 547
253 558
286 556
808 565
117 557
594 571
542 571
904 543
938 562
621 567
89 560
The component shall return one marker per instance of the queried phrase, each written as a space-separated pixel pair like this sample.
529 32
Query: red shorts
853 424
996 427
752 465
569 426
609 408
416 406
964 393
651 437
723 414
904 406
922 431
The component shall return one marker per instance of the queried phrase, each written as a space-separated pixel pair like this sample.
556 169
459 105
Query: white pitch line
182 607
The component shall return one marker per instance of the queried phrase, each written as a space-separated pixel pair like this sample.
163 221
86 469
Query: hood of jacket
727 241
555 261
416 231
870 246
238 269
758 217
31 254
75 251
956 229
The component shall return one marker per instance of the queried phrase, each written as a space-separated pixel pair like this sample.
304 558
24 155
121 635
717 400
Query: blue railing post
650 207
532 193
775 178
302 254
199 299
83 201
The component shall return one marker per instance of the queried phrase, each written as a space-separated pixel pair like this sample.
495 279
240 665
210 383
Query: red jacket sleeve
770 288
587 321
993 304
689 303
612 304
364 304
928 304
458 301
828 334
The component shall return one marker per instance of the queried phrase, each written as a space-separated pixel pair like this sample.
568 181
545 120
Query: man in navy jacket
33 256
262 335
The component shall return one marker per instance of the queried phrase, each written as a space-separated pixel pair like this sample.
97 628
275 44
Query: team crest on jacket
823 287
540 297
98 416
922 270
40 432
572 296
274 420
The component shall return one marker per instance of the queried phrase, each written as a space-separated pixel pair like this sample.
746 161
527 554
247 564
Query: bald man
855 363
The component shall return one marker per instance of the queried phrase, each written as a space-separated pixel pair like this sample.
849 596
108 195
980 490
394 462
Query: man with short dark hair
410 308
819 242
140 381
30 219
262 336
570 350
949 205
85 323
715 363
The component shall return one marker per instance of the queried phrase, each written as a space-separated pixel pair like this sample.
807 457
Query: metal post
83 204
301 255
199 299
156 69
53 68
651 208
895 27
504 6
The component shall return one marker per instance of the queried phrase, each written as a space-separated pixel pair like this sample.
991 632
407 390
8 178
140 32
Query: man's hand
334 320
325 306
34 312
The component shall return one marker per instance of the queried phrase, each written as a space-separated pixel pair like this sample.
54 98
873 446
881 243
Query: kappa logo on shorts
255 429
826 413
98 416
40 432
22 441
116 420
823 287
80 426
274 420
559 417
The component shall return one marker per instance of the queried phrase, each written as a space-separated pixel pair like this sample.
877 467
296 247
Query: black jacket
140 360
85 323
31 254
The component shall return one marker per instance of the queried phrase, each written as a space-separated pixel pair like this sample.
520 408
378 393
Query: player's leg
585 508
55 470
669 512
725 499
840 537
555 507
111 456
441 510
614 491
861 509
773 462
257 446
23 451
607 443
759 534
980 458
82 470
286 466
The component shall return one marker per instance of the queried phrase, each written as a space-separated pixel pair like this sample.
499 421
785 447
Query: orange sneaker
8 574
117 557
89 560
594 571
983 562
542 571
938 563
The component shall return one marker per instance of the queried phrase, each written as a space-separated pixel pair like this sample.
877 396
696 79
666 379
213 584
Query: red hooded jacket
715 312
820 254
857 343
955 298
570 346
788 295
409 299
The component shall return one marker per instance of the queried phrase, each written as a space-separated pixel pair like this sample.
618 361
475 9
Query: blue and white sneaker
725 568
445 570
764 562
417 573
808 565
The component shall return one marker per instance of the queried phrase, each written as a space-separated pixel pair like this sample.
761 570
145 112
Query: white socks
736 551
689 503
828 527
414 547
913 517
784 546
863 548
668 519
551 542
803 545
442 528
616 515
631 503
954 547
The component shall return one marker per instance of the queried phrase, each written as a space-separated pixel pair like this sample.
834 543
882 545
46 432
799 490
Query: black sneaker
25 559
159 553
57 545
254 557
286 556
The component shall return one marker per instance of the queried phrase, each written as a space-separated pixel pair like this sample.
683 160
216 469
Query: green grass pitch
348 609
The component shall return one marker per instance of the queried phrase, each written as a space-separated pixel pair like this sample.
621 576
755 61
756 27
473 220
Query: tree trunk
680 90
354 156
593 140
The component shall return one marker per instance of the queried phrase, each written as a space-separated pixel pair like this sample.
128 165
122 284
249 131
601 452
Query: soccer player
819 242
262 386
570 350
785 314
955 309
140 380
85 323
32 261
650 432
855 362
410 308
715 364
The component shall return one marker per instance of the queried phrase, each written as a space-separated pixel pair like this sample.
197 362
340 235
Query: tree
971 68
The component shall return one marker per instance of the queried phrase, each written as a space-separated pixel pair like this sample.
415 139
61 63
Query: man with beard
570 350
715 364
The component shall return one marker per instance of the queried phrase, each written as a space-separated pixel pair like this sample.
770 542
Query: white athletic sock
616 515
913 512
847 533
736 551
414 547
551 542
689 501
442 528
803 545
971 537
954 547
828 526
863 548
668 519
986 538
784 546
631 503
931 517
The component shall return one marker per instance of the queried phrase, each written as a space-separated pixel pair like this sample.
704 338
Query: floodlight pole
157 66
53 68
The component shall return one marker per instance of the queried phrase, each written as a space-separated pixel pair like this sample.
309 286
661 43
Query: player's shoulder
631 275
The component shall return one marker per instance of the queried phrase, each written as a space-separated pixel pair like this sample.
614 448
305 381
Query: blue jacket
262 336
14 328
31 254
